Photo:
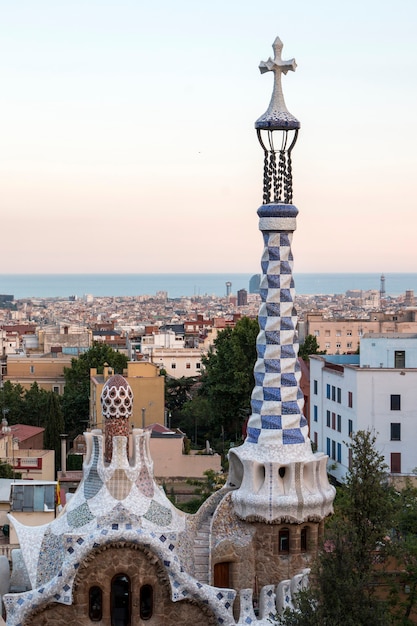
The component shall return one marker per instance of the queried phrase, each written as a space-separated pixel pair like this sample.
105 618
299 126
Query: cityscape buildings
121 553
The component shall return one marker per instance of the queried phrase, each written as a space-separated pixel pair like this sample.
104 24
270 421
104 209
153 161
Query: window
120 600
315 385
328 446
146 602
327 346
333 450
328 391
349 333
188 366
350 399
95 604
55 389
304 539
33 497
350 428
339 395
284 540
315 412
333 393
395 463
339 423
399 358
334 421
327 333
198 366
395 431
338 345
338 333
395 402
316 440
339 453
328 419
317 333
349 344
173 366
32 369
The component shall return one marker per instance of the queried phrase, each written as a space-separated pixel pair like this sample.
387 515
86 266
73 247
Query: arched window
284 541
303 539
146 602
120 600
95 604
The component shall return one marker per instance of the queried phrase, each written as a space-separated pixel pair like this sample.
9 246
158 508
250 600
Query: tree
203 489
178 392
77 383
343 586
12 401
54 426
35 405
228 379
6 471
403 548
309 346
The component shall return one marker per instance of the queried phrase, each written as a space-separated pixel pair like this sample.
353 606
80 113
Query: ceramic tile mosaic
273 475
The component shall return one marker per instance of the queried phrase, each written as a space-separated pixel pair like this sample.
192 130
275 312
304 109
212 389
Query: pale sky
127 139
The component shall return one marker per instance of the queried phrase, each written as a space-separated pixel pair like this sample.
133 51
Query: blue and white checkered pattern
277 401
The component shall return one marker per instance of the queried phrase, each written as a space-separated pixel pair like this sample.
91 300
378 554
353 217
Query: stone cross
277 115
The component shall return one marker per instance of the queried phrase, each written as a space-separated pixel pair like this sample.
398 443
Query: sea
23 286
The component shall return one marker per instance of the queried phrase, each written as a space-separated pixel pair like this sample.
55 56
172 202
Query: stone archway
142 567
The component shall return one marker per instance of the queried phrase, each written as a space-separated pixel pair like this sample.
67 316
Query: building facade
343 335
148 390
377 391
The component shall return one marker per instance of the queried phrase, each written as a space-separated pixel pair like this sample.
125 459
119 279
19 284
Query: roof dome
116 398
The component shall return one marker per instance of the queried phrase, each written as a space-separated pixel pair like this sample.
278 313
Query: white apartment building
376 390
178 363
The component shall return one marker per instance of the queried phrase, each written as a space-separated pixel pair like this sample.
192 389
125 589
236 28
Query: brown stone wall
252 548
142 569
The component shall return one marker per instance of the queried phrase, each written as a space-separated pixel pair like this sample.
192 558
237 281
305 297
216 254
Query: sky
127 139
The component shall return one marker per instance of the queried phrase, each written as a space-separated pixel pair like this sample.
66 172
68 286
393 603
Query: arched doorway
120 600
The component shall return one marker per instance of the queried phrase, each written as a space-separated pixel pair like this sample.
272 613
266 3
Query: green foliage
403 548
35 405
343 587
54 427
77 383
309 346
228 380
178 392
12 399
75 462
203 489
6 471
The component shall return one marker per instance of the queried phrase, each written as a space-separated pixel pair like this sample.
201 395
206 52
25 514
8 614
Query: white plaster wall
372 390
380 351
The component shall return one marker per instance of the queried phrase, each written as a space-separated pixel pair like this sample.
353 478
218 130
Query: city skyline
128 142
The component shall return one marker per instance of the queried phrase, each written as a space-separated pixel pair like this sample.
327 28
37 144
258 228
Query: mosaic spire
276 475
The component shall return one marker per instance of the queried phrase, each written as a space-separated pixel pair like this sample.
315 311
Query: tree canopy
77 383
223 399
309 346
343 586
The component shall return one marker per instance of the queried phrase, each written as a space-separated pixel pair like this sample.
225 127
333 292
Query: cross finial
277 117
